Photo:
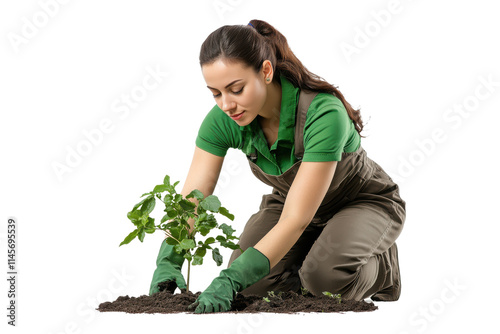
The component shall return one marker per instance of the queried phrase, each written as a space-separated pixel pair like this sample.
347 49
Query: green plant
335 296
272 294
175 223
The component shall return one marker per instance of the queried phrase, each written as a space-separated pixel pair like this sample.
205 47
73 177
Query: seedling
175 223
335 296
272 294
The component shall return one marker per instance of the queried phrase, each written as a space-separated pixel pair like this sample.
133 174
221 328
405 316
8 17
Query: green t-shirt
328 132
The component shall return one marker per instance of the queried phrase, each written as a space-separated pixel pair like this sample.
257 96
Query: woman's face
237 89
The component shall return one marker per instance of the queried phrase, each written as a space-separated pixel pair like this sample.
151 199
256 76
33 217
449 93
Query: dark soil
287 302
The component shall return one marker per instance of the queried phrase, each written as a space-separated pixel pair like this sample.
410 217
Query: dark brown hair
259 41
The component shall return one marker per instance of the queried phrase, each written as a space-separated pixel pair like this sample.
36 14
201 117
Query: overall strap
305 99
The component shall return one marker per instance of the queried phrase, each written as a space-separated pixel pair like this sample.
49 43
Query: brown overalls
349 246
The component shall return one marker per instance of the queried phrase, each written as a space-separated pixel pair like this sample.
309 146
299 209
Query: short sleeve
327 129
216 135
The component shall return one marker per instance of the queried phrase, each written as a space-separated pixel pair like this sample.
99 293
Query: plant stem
189 272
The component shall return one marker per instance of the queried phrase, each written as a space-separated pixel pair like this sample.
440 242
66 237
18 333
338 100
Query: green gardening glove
246 270
168 268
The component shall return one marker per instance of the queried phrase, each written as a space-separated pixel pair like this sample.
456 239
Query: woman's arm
303 200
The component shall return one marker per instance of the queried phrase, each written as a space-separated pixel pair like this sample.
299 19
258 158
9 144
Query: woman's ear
267 71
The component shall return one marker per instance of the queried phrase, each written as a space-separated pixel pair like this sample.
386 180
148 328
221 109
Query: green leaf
187 205
129 237
223 211
226 229
172 213
148 206
166 180
176 183
196 194
177 198
141 234
178 249
149 193
216 256
211 221
150 223
203 230
197 260
229 244
171 241
209 241
188 256
202 217
200 251
211 203
168 198
187 244
165 218
134 217
139 204
160 188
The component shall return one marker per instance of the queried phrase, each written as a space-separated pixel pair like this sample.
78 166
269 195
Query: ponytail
259 41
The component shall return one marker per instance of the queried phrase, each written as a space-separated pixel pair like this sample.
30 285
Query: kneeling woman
333 216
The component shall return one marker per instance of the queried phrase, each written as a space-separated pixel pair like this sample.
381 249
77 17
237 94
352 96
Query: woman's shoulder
326 100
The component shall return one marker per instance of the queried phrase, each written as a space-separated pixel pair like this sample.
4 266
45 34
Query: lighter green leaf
160 188
226 229
197 260
196 194
211 203
166 180
188 256
187 244
129 237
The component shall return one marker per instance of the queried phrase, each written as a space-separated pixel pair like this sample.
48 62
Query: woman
331 221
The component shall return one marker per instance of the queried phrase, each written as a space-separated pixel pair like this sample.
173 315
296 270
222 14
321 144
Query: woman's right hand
168 269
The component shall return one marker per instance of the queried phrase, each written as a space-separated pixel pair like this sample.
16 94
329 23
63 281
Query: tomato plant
178 210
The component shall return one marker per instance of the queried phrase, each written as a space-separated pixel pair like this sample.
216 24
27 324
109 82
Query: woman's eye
236 93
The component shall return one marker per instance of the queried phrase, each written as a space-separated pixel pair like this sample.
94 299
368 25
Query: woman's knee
318 276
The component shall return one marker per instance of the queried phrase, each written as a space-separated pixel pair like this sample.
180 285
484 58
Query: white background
70 72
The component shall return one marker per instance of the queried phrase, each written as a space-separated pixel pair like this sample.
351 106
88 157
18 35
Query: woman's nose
227 103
